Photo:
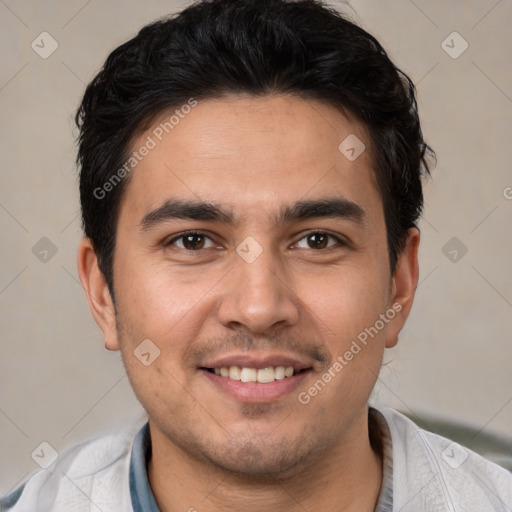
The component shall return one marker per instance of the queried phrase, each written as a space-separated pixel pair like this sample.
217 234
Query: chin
263 459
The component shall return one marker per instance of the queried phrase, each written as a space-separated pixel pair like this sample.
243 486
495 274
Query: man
250 186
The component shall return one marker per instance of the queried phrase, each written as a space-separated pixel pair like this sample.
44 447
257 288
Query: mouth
260 375
256 379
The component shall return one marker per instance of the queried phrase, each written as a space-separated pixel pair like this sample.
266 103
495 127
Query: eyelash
339 241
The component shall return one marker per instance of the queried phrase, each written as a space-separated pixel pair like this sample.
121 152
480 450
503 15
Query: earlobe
98 294
403 286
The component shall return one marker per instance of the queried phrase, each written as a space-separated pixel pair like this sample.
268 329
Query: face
248 241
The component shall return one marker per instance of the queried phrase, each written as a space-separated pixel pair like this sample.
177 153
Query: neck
348 478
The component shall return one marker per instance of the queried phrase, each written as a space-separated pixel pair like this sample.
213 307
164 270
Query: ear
98 295
403 286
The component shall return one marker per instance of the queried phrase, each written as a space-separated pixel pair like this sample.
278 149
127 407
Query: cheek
347 301
348 314
354 334
168 306
153 298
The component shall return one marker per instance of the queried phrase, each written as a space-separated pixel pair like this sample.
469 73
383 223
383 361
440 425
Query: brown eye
319 240
191 241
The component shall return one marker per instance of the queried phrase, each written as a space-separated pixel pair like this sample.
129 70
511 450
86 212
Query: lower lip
255 391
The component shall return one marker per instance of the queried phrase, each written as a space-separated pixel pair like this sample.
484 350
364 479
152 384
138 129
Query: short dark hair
258 47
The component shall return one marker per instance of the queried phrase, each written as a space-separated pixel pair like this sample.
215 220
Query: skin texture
299 297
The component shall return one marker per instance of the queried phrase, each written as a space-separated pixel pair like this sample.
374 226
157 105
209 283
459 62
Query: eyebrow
337 207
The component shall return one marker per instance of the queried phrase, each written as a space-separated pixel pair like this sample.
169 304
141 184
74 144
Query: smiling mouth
260 375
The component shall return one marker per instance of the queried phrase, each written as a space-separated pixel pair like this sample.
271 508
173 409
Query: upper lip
259 361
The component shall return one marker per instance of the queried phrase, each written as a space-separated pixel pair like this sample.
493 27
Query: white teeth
265 375
261 375
234 372
279 372
248 375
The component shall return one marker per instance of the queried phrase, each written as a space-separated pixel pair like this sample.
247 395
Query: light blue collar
140 490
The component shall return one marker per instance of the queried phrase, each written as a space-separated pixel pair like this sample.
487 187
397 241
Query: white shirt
425 473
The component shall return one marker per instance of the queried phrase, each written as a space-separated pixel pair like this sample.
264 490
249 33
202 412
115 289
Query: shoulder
95 471
430 469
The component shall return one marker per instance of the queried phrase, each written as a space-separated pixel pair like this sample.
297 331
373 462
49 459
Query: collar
142 496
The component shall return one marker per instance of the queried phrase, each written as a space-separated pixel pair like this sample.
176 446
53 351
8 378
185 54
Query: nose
258 295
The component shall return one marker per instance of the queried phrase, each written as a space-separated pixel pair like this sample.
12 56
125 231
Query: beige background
58 384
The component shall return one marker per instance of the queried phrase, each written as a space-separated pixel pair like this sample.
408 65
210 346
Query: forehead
251 155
